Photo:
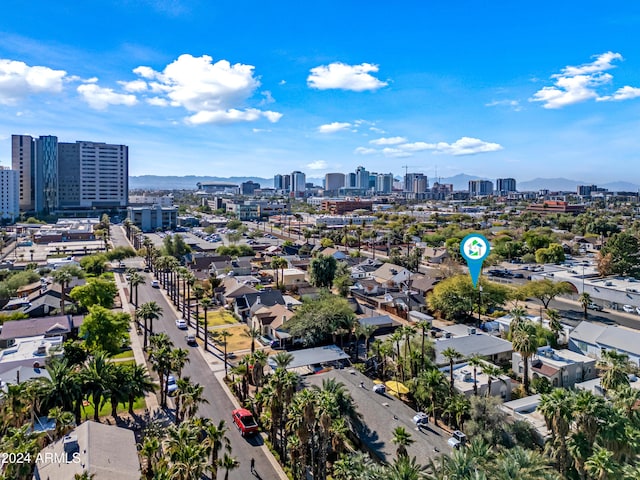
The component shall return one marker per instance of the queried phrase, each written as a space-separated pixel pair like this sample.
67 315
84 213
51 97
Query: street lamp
479 305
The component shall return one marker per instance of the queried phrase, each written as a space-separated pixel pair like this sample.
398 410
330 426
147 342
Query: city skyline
492 91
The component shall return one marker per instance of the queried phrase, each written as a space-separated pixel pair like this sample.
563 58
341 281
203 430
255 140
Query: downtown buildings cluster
48 177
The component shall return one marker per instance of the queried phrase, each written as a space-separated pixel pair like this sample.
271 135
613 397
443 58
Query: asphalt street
199 369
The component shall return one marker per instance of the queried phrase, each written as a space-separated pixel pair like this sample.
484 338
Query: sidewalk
151 399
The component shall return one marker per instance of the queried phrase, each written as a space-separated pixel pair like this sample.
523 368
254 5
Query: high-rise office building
362 178
249 188
278 182
46 174
479 188
70 175
333 181
22 158
384 182
298 183
350 180
416 183
505 185
9 194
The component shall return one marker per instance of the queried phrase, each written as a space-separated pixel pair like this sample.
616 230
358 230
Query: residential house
563 368
436 255
240 266
246 305
335 253
365 268
106 451
492 349
59 326
526 409
463 381
270 319
13 375
390 275
592 339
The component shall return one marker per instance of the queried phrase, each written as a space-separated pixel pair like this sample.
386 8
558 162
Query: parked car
172 386
594 306
244 421
457 440
155 283
191 339
628 308
518 275
421 419
181 323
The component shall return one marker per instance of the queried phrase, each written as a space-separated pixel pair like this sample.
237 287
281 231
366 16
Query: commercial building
480 188
339 207
504 186
384 183
298 183
150 219
82 175
362 178
416 183
249 187
9 194
333 182
555 206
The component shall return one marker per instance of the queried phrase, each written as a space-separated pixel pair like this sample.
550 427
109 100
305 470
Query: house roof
31 327
588 332
240 290
379 321
480 344
436 253
544 369
107 451
262 297
22 373
423 283
311 356
387 271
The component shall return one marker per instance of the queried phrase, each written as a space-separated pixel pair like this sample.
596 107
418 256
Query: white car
628 308
172 386
155 283
181 323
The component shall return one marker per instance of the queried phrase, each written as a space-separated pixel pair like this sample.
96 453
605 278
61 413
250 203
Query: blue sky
493 89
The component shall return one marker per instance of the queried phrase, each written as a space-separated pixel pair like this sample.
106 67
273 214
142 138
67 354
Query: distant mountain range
460 182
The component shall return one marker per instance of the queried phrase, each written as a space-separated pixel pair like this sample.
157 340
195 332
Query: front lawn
237 341
220 317
105 411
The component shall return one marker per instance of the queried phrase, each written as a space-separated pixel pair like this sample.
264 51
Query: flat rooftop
35 348
312 356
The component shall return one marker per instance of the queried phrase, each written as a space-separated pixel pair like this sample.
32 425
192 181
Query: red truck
244 421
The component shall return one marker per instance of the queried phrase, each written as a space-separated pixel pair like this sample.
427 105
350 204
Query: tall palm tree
428 386
138 383
198 294
402 439
525 342
452 355
278 263
282 359
585 301
423 325
601 465
557 409
404 468
616 367
98 377
223 335
518 315
149 311
491 371
63 277
214 439
150 451
367 332
228 463
554 322
475 361
190 280
253 334
135 279
207 303
179 358
63 388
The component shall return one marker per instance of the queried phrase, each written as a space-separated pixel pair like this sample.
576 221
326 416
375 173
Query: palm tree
282 359
554 322
475 361
523 464
135 279
557 410
601 465
228 463
452 355
404 468
206 304
585 301
63 277
138 383
214 440
84 476
150 451
149 311
253 334
525 342
518 315
198 293
179 358
63 388
402 439
367 332
423 325
98 377
223 335
427 387
616 367
491 371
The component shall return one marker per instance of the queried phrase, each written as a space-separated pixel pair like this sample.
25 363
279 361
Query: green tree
455 296
322 271
105 330
545 290
63 277
624 249
148 311
97 291
402 439
94 264
452 355
525 342
554 253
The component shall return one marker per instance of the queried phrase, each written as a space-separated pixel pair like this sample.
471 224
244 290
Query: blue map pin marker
474 249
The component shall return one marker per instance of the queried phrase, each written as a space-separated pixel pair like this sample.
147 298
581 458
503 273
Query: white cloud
317 165
18 80
232 116
624 93
157 102
513 104
417 146
577 84
388 141
365 151
333 127
345 77
213 92
467 146
134 86
377 130
100 98
395 152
